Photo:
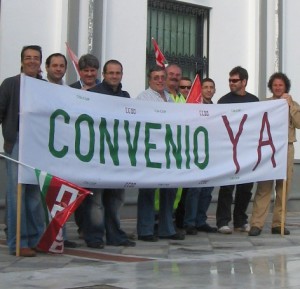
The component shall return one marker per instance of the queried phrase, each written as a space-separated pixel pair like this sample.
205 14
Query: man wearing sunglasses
185 85
238 78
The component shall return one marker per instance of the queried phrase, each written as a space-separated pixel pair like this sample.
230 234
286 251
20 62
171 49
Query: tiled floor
202 261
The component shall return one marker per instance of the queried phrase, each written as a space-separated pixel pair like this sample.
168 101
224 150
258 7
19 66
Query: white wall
39 22
234 37
126 31
291 53
29 22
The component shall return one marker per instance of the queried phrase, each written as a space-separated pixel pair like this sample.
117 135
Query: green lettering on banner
84 118
175 150
132 146
113 147
187 147
149 146
199 130
57 153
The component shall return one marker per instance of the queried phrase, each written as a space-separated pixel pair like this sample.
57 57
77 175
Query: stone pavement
202 261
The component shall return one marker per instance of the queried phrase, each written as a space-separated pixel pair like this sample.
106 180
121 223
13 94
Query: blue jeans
32 212
113 200
92 224
197 201
102 215
146 212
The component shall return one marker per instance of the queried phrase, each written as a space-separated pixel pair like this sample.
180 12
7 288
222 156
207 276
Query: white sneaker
245 228
225 230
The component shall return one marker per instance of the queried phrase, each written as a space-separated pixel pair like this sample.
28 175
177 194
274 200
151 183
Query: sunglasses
185 87
234 80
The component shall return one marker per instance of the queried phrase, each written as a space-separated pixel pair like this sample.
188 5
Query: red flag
160 58
73 58
60 199
194 95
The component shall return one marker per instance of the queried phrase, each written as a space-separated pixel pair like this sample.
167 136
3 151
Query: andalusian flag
60 199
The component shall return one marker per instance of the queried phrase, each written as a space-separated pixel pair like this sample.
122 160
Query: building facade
258 35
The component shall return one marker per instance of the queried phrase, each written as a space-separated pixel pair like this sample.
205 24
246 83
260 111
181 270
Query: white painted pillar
83 27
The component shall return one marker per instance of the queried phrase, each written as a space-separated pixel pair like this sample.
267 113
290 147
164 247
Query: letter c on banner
57 153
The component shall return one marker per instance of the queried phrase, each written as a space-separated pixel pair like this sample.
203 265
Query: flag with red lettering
194 95
60 199
160 58
73 58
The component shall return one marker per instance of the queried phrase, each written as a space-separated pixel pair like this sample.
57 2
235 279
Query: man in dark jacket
32 220
88 71
112 77
112 199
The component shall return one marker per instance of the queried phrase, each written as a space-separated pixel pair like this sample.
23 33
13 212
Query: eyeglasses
234 80
159 77
185 87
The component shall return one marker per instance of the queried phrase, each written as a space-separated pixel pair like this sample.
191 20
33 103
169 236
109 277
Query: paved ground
202 261
207 261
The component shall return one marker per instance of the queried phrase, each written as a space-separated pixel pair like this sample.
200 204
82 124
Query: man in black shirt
238 78
112 199
112 76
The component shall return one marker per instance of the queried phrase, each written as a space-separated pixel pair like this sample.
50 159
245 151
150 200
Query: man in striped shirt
146 210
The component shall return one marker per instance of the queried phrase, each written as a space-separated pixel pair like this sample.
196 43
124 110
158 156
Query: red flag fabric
194 95
60 199
160 58
73 58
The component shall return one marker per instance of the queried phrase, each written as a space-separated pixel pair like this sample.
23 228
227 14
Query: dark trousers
242 198
180 210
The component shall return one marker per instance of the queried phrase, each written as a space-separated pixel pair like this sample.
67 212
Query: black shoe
5 231
277 230
70 244
80 234
254 231
176 236
131 236
207 228
148 238
126 243
179 216
96 245
191 230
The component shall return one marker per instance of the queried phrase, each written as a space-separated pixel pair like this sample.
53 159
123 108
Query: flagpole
19 206
283 205
20 163
15 161
18 229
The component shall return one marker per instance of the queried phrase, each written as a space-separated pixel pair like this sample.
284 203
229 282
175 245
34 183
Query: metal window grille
181 31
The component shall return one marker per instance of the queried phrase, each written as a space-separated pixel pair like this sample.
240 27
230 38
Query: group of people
98 217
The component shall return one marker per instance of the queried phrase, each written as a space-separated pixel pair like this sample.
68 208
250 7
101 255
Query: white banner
96 140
